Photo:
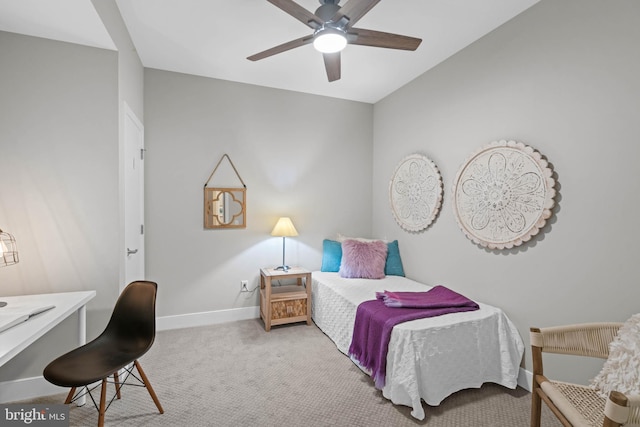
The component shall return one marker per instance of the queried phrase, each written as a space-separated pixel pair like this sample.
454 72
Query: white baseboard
28 388
525 379
31 388
206 318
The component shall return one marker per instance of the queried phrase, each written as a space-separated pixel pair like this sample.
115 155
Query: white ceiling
212 38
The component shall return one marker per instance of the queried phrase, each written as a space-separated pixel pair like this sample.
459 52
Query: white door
133 197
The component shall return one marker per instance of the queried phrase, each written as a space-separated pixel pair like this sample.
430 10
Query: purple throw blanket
375 320
436 297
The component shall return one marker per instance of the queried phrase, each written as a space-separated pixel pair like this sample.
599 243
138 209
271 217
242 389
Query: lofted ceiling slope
213 38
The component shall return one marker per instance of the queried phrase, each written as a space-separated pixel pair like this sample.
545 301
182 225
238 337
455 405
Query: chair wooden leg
148 386
536 407
70 396
116 381
103 400
536 403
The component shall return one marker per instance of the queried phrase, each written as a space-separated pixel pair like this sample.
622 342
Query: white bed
430 358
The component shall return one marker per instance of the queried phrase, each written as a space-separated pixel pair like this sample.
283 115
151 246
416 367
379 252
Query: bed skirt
428 359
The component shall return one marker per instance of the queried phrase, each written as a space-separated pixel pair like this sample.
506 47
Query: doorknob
131 251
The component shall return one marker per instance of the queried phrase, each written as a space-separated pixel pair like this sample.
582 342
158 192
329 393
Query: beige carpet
236 374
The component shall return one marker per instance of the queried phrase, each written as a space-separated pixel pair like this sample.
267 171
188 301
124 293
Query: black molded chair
128 335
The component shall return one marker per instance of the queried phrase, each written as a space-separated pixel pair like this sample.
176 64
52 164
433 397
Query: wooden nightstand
285 304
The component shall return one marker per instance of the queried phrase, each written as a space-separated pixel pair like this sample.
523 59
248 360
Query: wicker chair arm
623 409
586 339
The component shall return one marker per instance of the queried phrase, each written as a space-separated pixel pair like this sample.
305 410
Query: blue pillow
331 256
393 266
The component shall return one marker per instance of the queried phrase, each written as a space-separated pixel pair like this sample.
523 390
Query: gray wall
131 93
130 70
303 156
59 192
300 155
60 116
563 78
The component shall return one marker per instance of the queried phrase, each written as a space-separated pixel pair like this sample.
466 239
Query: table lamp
8 252
284 228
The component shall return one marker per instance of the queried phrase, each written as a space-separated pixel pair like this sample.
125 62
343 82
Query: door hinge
142 150
141 228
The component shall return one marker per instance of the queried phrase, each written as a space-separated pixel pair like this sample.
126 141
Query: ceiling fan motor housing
327 10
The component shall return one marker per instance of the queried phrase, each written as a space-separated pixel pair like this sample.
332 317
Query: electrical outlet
244 286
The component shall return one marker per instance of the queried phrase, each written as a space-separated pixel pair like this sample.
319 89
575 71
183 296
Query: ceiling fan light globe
329 42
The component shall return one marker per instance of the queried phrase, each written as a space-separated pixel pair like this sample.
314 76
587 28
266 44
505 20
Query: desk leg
82 339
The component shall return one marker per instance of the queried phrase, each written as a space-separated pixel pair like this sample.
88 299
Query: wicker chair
573 404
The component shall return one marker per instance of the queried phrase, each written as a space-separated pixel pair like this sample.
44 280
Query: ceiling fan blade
381 39
298 12
354 10
332 65
281 48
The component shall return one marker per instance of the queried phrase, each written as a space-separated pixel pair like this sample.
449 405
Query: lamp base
283 268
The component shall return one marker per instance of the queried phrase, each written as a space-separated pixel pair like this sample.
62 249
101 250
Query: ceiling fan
333 29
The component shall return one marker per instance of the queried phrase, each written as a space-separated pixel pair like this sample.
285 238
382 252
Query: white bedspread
429 358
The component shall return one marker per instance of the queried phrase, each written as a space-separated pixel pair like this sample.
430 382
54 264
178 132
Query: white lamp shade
284 228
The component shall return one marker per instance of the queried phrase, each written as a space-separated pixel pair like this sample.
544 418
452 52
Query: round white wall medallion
415 192
503 195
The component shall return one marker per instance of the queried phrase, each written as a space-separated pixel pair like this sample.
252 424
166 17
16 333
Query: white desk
19 337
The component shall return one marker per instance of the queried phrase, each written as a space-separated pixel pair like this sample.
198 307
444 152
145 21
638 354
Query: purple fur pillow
363 260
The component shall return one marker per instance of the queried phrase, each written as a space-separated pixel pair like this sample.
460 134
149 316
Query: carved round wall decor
415 192
503 195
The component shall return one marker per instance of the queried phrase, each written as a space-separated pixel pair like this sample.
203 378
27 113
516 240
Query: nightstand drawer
288 308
